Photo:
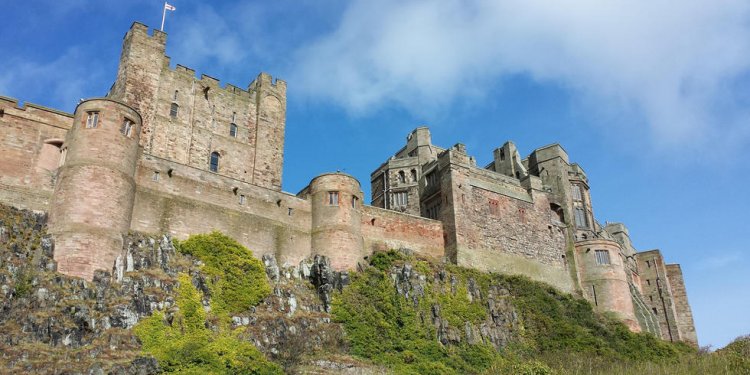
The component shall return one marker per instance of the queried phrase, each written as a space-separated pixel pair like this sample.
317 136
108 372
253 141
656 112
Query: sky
651 98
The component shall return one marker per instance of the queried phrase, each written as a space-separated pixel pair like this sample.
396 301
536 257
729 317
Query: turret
336 219
93 199
269 154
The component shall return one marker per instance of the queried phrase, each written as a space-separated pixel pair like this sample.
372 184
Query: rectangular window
580 215
333 198
242 199
401 198
92 120
173 110
234 117
233 130
431 179
127 127
648 282
155 176
175 95
577 193
433 211
602 256
354 202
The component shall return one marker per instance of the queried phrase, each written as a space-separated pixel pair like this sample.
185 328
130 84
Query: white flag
169 7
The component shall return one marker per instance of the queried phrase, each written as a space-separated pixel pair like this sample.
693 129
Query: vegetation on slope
389 329
182 342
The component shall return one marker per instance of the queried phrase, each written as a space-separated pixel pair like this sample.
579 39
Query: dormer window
233 130
92 119
127 127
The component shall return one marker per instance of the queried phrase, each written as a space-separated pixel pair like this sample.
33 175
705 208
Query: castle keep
165 151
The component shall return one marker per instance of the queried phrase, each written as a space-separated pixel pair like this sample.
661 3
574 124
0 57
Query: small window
580 215
651 298
656 312
401 198
242 199
333 198
401 177
173 110
354 201
234 117
92 119
494 206
175 95
414 175
602 257
648 263
155 176
289 211
648 282
433 211
576 190
127 127
214 163
233 130
502 154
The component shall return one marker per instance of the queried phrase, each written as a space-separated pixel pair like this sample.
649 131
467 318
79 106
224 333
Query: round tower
336 219
604 278
92 203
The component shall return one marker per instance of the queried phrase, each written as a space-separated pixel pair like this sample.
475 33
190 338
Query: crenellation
169 152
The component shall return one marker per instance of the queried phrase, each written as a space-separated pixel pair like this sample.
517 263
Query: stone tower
93 198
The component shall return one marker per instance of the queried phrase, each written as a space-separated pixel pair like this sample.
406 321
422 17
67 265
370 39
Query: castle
165 152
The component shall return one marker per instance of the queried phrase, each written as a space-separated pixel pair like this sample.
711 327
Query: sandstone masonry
165 151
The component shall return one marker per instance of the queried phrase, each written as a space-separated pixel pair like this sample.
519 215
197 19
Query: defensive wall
167 152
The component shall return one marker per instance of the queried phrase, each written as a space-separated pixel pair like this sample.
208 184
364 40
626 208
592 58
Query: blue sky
651 98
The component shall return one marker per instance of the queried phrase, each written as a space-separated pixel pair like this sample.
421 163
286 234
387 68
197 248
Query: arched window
414 175
401 177
173 110
214 165
233 130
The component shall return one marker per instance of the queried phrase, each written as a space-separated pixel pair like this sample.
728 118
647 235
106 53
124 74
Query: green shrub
237 280
187 346
384 260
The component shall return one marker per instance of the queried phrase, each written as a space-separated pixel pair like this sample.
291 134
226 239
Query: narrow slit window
92 119
176 92
173 110
214 162
233 130
354 201
242 199
155 176
127 127
602 257
333 198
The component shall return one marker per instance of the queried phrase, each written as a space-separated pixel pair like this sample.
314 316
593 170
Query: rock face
54 324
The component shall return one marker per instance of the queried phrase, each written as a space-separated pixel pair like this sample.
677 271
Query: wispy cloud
60 81
721 260
675 65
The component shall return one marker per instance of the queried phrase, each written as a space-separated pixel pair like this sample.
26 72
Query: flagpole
163 15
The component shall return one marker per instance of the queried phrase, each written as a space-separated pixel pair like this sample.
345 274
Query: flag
169 7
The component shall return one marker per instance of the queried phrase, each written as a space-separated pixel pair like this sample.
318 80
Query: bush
186 346
237 280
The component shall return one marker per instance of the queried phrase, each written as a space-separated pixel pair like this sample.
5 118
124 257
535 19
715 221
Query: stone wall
385 229
685 324
30 144
191 201
657 292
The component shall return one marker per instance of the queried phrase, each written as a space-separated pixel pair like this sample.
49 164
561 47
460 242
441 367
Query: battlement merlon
138 28
266 82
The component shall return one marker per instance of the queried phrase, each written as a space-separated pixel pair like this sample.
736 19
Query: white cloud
674 64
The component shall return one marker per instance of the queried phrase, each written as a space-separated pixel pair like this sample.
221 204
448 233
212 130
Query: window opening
401 177
577 193
214 163
173 110
602 256
175 95
401 198
233 130
354 201
655 311
127 127
242 199
155 176
289 211
92 120
494 207
414 175
580 215
333 198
